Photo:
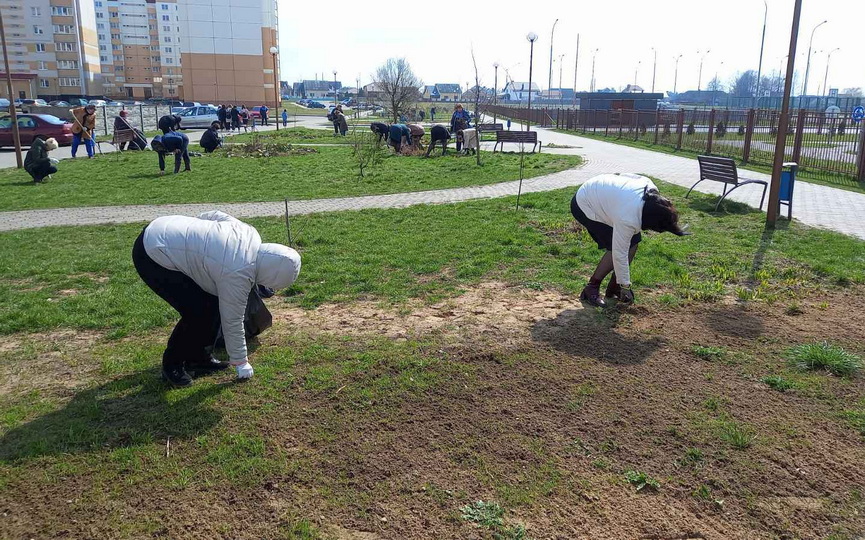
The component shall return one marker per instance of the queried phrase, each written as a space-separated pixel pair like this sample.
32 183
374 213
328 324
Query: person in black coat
211 140
172 143
380 129
438 134
169 122
221 114
37 163
235 117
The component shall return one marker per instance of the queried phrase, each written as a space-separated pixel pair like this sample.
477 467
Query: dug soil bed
539 405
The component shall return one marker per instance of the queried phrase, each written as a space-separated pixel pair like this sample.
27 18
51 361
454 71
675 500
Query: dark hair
659 214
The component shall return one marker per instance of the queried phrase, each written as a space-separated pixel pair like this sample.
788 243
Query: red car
32 126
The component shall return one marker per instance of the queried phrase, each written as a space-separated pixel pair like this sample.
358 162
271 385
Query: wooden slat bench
720 169
519 137
488 128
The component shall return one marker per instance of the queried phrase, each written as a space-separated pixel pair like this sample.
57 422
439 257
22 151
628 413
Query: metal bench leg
763 198
692 187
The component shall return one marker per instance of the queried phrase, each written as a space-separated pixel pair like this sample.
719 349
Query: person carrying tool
83 129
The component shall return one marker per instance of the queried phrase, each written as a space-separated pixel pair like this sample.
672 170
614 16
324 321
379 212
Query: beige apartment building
53 49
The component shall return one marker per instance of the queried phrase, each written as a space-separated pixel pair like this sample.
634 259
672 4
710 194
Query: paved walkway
815 205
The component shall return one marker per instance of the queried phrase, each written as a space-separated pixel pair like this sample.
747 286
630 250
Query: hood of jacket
276 266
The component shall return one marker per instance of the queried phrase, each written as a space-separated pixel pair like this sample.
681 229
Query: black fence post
711 132
680 132
800 133
749 135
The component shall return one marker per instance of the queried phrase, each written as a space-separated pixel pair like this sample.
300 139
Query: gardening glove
54 161
244 370
626 296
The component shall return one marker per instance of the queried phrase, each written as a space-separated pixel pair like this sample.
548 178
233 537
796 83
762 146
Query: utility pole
781 140
654 68
576 67
495 89
676 75
16 137
594 55
561 94
532 37
550 81
760 65
700 76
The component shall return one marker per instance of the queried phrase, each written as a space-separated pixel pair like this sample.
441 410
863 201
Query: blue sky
353 38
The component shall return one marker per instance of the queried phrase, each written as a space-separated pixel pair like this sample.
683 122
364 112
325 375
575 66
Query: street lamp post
576 67
715 85
808 63
335 95
826 76
700 76
495 89
592 82
760 65
561 95
654 68
676 74
532 37
550 80
273 53
636 72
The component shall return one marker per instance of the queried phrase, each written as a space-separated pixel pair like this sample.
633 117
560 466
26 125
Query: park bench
719 169
519 137
488 128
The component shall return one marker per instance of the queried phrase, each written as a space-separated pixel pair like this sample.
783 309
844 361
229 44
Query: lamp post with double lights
676 74
826 76
808 63
532 37
700 76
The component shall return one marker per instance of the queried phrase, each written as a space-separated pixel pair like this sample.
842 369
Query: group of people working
400 135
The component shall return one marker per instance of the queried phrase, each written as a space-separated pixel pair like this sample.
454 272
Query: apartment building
139 48
53 49
225 52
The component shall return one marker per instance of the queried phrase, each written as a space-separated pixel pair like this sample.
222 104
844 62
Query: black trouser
264 119
199 310
41 170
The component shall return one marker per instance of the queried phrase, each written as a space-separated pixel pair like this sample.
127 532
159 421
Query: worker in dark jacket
175 143
221 114
37 162
211 140
380 129
438 134
169 122
234 115
398 135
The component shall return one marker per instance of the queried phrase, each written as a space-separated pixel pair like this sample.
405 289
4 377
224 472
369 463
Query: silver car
198 117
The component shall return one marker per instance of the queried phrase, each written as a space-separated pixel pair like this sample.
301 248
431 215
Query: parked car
198 117
315 105
59 103
77 102
35 102
4 103
33 126
255 112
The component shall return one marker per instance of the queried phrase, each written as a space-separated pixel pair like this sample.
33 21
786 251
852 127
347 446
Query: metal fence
143 117
830 147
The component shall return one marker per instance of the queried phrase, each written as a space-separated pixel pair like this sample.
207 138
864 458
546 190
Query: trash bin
788 182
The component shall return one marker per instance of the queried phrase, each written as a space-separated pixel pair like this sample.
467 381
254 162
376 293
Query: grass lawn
814 177
301 135
131 178
446 385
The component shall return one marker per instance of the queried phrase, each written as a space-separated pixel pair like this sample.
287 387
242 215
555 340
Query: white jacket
225 257
616 200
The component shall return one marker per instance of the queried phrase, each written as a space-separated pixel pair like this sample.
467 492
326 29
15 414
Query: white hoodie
616 200
225 257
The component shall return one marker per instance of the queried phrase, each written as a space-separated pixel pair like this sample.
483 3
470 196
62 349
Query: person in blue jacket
460 119
396 135
175 143
284 118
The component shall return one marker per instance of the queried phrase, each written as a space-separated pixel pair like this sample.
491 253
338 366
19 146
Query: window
154 59
112 13
98 4
167 39
114 25
116 47
100 15
62 46
68 81
157 69
38 30
42 65
101 37
40 47
26 122
35 11
43 83
166 28
168 49
103 59
103 48
166 17
129 68
164 7
67 64
118 68
115 36
62 28
151 15
169 60
100 26
61 11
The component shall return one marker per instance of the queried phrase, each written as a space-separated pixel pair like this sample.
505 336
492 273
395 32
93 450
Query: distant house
563 94
633 89
520 90
316 89
372 92
448 92
429 93
470 94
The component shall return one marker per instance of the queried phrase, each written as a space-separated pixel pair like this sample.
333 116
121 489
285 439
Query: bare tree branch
398 85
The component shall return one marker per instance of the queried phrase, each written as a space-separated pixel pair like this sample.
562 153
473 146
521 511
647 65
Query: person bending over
398 135
83 128
169 122
37 163
614 208
172 143
205 268
380 129
438 134
211 140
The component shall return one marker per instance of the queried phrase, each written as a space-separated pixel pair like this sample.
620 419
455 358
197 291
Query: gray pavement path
815 205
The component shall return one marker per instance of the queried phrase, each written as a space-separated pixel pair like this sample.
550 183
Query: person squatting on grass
613 208
172 143
205 268
211 140
37 162
82 129
438 134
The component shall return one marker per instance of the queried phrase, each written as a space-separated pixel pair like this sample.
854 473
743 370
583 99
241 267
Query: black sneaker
177 376
209 365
